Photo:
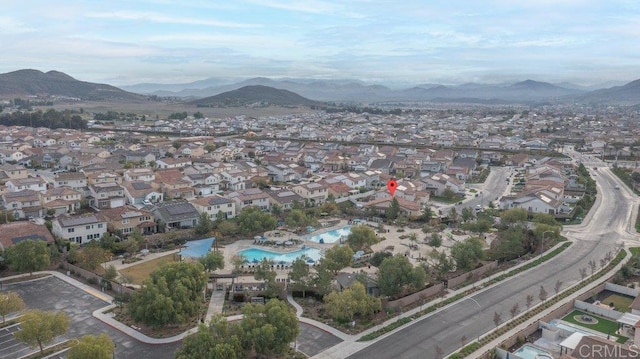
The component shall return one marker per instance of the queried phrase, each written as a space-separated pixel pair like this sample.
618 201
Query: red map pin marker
391 186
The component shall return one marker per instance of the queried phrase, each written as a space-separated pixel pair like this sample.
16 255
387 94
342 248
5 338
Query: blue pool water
331 236
254 255
197 249
528 351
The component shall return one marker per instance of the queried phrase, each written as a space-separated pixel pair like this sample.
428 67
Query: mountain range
348 91
307 92
53 83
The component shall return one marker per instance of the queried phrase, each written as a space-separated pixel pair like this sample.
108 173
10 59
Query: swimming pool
197 249
255 255
529 351
331 236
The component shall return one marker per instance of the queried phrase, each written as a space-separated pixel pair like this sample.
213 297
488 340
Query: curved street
609 223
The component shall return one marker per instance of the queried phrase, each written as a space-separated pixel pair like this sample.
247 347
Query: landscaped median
473 347
404 320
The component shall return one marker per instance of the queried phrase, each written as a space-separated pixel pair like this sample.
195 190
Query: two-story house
142 193
213 205
313 193
250 197
80 229
23 204
106 195
31 183
61 200
139 174
73 180
175 215
127 219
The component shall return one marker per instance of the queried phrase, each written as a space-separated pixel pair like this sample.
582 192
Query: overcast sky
399 41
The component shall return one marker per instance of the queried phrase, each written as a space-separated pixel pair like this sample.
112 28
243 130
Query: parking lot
54 294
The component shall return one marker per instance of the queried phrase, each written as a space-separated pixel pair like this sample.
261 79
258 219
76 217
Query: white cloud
310 6
166 19
10 26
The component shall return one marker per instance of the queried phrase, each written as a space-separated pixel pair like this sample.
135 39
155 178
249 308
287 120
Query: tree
10 302
361 238
453 215
111 273
89 346
212 261
377 258
227 228
265 272
467 253
514 310
28 256
270 327
297 219
442 262
204 226
322 281
497 318
557 286
427 213
39 327
513 216
467 214
343 306
253 220
529 301
300 275
91 256
435 240
172 294
396 273
542 294
583 273
511 244
592 264
238 260
220 340
448 194
393 210
337 257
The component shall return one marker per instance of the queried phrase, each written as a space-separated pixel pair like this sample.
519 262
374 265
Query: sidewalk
478 353
350 345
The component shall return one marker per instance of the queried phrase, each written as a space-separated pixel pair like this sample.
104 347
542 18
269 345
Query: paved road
312 340
608 224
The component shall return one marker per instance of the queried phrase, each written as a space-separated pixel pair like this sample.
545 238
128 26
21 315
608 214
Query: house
102 177
15 232
284 198
73 180
440 182
61 200
141 193
14 171
175 215
407 208
213 205
204 184
173 185
250 197
31 183
106 195
127 219
346 280
533 202
80 229
313 193
23 204
170 162
139 174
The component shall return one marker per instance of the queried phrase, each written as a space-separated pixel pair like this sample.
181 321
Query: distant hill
628 94
54 83
255 95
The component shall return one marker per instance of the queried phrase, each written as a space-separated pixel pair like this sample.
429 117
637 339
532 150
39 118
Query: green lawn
604 325
620 302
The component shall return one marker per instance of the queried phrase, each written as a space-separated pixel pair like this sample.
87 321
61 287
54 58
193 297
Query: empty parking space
57 295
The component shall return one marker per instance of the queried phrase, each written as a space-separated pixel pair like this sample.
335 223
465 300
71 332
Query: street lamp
542 241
